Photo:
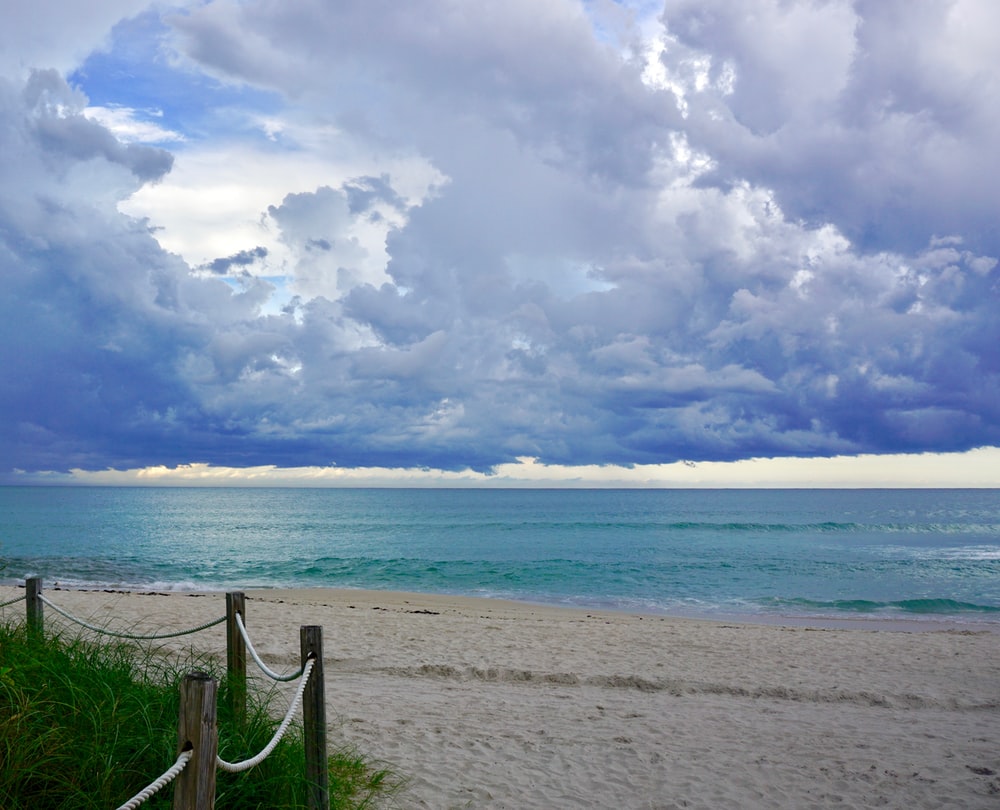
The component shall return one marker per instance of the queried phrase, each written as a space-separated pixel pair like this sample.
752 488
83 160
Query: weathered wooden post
33 601
236 656
314 720
197 730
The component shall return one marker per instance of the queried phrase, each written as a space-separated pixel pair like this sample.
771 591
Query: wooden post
314 720
236 656
33 594
197 730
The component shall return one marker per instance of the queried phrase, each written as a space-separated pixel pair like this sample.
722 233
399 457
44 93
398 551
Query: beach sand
492 704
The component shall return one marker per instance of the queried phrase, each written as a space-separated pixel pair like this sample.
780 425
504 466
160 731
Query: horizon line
978 468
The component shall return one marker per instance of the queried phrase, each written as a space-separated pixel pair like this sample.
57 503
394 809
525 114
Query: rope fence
247 764
13 601
274 676
165 779
132 636
197 731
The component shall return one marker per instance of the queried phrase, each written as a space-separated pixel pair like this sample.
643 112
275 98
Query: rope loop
247 764
132 636
257 660
168 776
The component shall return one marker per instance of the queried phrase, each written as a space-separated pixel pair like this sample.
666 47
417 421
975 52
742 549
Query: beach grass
87 725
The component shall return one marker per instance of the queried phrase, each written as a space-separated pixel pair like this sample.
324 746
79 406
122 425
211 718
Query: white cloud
56 34
873 117
129 125
216 200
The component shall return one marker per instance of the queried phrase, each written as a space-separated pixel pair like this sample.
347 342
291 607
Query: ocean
923 554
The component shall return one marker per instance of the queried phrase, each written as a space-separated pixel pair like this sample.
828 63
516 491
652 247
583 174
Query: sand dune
483 703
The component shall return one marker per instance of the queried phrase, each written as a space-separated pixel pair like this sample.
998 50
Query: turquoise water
888 553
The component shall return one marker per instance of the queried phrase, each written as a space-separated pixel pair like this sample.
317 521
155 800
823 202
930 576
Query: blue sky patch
139 72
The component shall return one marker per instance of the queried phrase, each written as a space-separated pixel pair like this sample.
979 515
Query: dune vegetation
87 725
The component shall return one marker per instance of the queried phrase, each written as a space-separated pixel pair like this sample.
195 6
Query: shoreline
925 622
498 704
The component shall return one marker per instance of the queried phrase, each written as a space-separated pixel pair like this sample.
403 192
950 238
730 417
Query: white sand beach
491 704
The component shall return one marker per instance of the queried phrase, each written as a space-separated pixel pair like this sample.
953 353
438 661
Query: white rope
253 654
247 764
12 601
132 636
168 776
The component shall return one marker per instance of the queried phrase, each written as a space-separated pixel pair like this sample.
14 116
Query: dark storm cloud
242 259
751 263
70 139
104 335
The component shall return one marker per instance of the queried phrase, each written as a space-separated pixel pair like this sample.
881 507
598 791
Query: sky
538 242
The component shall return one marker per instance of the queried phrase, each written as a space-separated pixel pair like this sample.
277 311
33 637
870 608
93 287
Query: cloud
871 116
242 260
54 34
976 468
98 321
337 236
476 238
69 137
133 126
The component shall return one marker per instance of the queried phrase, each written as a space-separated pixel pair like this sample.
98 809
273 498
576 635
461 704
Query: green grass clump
86 725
